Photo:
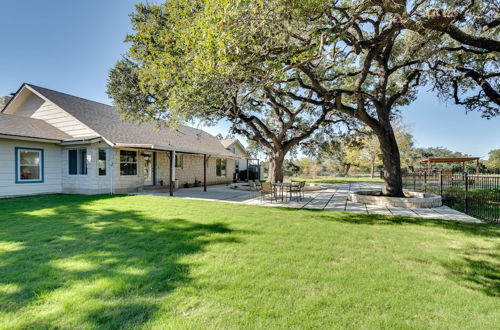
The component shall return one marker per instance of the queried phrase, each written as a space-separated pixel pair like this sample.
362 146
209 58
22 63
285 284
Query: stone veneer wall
192 169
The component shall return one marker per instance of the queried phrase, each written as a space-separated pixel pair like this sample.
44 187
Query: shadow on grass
475 229
478 269
115 259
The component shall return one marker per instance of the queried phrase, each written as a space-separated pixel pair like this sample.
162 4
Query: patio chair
298 190
266 189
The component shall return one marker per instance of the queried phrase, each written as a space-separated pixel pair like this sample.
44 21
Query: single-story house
52 142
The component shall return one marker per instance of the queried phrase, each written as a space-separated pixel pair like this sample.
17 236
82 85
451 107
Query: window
237 165
29 165
128 162
220 167
102 162
179 160
77 161
83 161
73 161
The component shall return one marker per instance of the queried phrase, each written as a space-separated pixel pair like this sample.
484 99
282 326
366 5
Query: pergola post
205 172
172 172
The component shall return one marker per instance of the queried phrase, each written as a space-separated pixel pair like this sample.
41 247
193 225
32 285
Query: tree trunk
372 168
276 161
347 167
392 165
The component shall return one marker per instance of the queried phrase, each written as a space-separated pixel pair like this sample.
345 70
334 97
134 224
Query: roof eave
81 141
29 138
170 148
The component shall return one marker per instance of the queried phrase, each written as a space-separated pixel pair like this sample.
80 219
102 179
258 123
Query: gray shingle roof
105 120
30 127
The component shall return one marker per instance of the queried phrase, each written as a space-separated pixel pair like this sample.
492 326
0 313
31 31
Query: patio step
154 188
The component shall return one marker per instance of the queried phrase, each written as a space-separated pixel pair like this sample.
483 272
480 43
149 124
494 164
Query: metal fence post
425 182
466 192
441 184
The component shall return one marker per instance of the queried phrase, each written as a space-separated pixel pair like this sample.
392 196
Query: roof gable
18 126
106 122
30 103
228 143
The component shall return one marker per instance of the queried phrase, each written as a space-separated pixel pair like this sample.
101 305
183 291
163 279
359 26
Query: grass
153 262
333 179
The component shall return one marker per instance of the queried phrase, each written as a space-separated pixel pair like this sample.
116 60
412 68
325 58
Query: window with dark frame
223 167
220 167
128 162
83 161
73 161
102 162
77 161
179 160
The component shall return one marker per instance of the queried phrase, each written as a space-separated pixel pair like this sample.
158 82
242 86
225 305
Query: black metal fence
473 194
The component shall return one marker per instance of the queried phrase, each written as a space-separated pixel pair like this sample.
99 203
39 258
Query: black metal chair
266 189
298 190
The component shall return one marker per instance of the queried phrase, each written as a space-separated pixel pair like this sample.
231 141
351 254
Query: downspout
112 164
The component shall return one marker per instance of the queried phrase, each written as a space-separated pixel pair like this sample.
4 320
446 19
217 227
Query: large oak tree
279 70
195 59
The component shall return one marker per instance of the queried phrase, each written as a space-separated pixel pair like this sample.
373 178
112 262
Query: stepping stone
355 207
402 212
375 209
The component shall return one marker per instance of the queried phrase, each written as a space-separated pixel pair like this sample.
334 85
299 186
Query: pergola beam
462 160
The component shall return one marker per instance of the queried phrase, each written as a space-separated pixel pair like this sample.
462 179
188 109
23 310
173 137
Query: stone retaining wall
414 199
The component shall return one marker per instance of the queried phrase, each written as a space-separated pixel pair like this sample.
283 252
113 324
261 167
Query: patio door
148 168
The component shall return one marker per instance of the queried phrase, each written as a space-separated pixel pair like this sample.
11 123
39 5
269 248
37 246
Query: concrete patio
332 197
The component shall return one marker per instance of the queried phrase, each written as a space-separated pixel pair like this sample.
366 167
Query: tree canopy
284 70
494 159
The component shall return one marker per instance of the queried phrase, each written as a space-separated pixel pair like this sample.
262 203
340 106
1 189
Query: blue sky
70 46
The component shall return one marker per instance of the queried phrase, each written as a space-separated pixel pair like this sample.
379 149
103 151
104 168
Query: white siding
52 169
127 183
92 182
57 178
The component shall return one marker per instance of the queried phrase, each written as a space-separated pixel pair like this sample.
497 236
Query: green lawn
333 179
153 262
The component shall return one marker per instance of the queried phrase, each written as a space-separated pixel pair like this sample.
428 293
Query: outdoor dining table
281 186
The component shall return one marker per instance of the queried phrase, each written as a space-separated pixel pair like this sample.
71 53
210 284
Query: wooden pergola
462 160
